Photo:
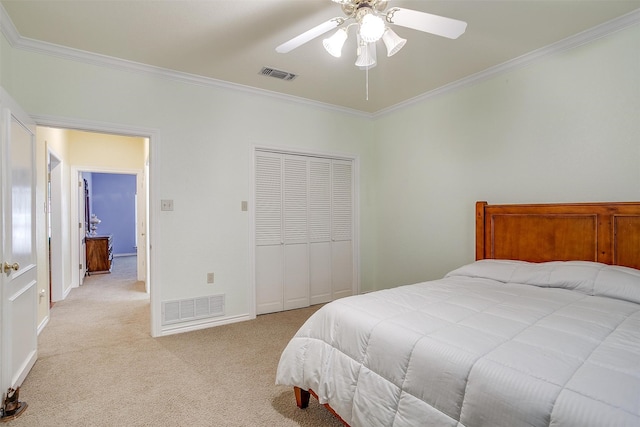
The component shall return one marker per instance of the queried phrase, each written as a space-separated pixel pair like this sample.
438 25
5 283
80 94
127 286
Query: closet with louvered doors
303 230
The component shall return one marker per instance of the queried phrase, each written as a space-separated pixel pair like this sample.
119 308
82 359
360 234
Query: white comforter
494 343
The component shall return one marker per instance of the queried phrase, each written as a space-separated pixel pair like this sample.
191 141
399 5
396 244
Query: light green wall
203 159
565 128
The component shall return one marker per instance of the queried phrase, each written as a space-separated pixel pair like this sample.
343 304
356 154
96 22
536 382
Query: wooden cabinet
99 254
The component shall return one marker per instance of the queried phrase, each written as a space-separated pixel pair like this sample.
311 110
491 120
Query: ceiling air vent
278 74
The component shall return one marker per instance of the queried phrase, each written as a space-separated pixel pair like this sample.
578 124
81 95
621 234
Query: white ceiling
232 40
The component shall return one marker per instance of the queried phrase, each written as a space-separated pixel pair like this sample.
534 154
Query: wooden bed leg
302 397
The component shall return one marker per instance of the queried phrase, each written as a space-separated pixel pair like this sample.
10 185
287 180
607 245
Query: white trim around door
354 159
152 250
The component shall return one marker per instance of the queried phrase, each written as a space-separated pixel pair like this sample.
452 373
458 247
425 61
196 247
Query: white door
83 191
141 227
269 262
18 286
342 273
296 246
304 225
55 228
319 231
282 248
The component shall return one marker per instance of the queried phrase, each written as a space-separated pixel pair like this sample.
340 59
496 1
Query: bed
543 329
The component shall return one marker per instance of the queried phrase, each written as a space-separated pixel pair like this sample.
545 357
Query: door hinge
80 267
79 225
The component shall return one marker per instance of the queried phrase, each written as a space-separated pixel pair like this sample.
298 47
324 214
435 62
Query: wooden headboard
602 232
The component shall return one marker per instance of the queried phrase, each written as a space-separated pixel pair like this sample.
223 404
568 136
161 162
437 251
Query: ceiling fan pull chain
367 82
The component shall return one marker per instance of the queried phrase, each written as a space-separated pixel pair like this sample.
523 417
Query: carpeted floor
98 366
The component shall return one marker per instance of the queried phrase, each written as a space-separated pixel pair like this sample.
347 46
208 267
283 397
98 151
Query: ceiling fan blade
309 35
421 21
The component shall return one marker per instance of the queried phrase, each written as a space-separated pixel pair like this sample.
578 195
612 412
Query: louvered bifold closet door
342 228
269 262
303 230
319 231
296 237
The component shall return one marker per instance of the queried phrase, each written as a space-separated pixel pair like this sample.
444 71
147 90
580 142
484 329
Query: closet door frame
355 161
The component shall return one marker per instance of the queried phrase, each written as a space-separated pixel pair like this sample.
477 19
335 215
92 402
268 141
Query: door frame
153 251
354 158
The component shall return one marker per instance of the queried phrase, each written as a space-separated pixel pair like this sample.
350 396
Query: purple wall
113 200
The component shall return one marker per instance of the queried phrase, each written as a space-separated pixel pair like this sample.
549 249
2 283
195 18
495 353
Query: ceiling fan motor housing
350 8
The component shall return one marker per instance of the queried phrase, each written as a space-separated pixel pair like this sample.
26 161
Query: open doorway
108 209
74 155
69 139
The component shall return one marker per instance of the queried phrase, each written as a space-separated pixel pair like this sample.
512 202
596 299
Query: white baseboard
204 324
42 324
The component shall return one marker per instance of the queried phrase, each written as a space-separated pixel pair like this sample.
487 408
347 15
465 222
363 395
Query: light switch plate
166 205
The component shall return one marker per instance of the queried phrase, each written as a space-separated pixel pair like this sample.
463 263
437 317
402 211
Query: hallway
94 305
78 348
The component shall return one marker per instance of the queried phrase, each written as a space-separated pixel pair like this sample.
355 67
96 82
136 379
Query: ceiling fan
371 18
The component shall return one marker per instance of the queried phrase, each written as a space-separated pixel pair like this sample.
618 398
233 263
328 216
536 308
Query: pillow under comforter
590 278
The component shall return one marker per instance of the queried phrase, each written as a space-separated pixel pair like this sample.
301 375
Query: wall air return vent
278 74
192 309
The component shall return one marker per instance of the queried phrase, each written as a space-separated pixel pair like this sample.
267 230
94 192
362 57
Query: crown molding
587 36
6 26
576 40
24 43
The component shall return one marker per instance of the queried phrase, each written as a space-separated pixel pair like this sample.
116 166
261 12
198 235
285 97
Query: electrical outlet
209 277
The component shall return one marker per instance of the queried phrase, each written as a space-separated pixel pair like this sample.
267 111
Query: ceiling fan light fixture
371 18
371 28
334 44
366 56
393 42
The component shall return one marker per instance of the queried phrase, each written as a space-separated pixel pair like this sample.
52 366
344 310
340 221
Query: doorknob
8 267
